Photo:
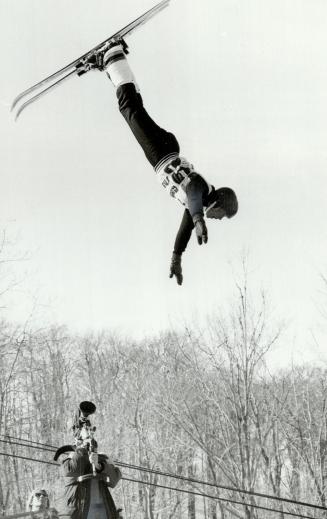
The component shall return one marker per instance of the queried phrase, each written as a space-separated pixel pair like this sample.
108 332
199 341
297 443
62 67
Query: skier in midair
161 149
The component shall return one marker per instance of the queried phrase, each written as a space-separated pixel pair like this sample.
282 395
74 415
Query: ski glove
200 228
176 267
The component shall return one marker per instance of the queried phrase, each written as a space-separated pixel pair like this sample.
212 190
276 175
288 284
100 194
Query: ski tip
18 113
15 116
15 101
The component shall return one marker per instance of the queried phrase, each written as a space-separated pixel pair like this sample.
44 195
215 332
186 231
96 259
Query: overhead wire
210 496
28 440
28 459
167 474
190 492
223 487
28 446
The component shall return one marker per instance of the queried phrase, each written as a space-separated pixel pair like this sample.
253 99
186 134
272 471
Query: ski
81 65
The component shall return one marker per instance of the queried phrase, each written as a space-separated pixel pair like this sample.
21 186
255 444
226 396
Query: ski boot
103 55
99 59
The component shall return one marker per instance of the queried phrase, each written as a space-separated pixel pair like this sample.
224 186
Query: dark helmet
224 198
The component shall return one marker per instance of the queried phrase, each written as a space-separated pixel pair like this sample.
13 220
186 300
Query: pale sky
242 84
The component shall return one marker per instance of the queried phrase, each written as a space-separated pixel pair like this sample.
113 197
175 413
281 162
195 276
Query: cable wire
223 487
28 459
28 446
175 476
220 498
200 494
27 440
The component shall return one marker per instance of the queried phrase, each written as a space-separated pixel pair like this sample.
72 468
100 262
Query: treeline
200 404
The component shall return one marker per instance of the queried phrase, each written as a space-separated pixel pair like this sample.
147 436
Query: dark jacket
79 495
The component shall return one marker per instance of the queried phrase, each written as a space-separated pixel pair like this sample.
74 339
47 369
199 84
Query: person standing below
88 476
39 504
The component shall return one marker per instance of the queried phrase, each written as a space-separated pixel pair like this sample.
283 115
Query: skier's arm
195 192
184 233
181 241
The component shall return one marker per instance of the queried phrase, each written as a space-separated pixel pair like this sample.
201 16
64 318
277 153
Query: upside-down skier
161 149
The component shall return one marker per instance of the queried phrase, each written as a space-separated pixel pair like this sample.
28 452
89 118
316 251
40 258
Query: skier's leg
156 142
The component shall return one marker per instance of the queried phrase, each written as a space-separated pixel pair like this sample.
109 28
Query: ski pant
155 142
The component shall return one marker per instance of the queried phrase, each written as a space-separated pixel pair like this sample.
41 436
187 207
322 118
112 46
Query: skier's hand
200 228
176 268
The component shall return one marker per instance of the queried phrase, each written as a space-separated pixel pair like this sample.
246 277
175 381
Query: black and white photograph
163 259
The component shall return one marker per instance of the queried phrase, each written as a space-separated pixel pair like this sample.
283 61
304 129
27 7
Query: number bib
175 176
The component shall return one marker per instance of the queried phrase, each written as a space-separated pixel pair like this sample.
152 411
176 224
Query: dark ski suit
161 148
